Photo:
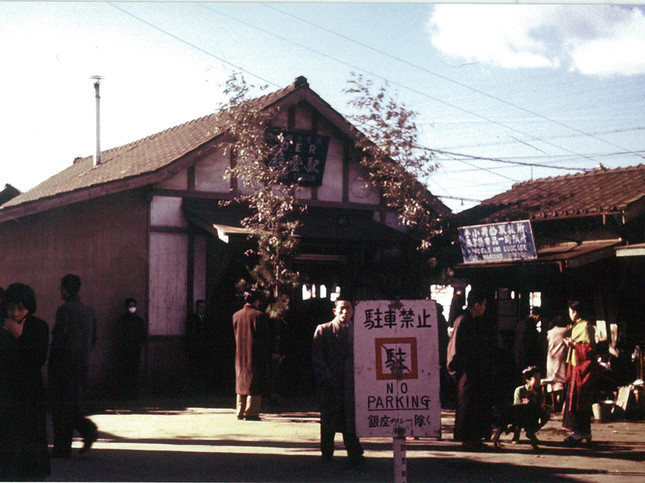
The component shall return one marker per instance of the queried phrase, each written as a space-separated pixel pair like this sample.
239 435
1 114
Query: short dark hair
71 283
251 296
129 300
535 310
476 296
529 372
342 299
19 293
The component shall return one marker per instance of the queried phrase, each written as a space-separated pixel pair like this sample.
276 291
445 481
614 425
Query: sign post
396 373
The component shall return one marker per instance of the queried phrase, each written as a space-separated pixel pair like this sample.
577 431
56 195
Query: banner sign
512 240
396 368
304 154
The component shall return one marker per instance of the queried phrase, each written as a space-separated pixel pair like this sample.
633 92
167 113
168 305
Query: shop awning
574 254
636 250
564 255
316 223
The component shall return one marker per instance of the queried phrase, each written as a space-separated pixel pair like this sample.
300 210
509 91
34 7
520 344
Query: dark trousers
67 417
351 441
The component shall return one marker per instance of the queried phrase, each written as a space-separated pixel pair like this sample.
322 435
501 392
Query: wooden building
586 230
146 223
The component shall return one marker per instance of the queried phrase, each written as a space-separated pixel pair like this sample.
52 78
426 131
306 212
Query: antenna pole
97 84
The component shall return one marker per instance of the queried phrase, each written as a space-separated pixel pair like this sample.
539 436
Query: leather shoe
88 442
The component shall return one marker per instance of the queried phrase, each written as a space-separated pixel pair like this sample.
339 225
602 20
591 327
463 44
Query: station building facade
146 222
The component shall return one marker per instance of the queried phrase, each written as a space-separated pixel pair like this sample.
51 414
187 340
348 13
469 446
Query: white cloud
600 40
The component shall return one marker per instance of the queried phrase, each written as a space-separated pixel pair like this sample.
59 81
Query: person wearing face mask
130 337
23 351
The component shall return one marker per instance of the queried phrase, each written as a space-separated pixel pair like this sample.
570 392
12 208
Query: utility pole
97 84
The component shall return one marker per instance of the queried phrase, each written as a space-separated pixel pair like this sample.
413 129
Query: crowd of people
566 354
561 362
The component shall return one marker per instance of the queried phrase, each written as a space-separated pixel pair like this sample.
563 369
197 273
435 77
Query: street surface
189 441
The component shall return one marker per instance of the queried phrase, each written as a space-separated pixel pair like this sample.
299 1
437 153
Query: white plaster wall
331 188
302 118
177 182
166 211
168 278
281 119
209 173
359 190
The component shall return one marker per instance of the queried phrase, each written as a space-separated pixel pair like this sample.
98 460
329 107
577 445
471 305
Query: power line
323 54
196 47
453 155
565 136
448 79
506 161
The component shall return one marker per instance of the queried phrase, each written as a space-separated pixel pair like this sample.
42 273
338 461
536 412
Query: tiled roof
140 160
144 156
595 192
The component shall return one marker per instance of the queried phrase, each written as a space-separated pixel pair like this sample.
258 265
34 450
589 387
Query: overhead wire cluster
466 159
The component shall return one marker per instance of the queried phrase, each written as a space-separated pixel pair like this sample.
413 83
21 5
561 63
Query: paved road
205 442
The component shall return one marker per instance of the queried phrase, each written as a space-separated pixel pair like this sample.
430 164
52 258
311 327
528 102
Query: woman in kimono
582 365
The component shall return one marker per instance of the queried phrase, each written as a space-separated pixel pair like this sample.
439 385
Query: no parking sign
396 368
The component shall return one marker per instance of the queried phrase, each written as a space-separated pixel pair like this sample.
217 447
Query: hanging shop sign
303 154
495 242
396 368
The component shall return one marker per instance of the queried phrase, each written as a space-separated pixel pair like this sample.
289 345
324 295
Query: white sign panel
396 368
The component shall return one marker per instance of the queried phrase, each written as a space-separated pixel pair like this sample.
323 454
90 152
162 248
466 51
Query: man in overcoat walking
333 364
73 337
251 356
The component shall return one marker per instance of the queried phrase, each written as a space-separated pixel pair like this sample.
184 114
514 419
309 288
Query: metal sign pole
400 464
398 449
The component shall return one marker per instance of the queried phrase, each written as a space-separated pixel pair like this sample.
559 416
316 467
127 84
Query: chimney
97 84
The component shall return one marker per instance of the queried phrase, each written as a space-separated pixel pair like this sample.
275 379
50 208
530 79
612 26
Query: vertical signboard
304 155
396 368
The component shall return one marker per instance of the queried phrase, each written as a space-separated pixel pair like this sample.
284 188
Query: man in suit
73 337
251 356
333 364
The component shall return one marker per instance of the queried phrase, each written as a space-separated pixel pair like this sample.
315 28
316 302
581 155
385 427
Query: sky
503 93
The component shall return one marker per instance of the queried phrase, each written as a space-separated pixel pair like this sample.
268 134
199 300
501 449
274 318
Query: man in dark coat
333 364
198 337
469 361
251 356
73 337
528 346
130 336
